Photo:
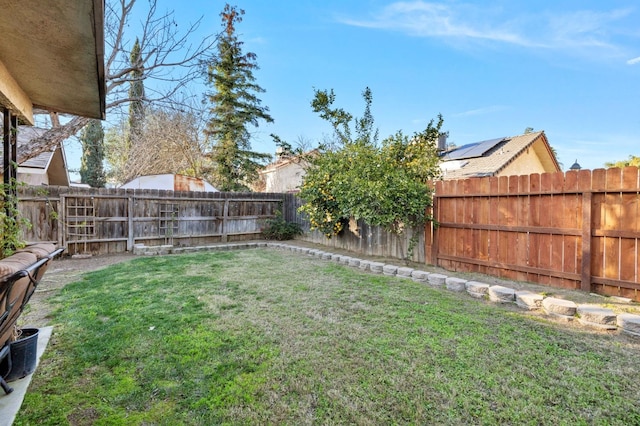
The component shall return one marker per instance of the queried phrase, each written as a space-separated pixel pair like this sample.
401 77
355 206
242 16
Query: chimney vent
442 142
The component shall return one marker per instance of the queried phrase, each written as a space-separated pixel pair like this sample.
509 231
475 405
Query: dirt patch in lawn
61 272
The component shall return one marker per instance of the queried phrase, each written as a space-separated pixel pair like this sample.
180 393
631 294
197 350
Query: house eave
52 57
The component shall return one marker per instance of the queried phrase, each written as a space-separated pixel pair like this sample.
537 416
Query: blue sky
491 68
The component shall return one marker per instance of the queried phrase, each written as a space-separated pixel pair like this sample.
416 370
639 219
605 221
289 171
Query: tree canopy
91 168
136 95
633 160
234 107
171 142
382 184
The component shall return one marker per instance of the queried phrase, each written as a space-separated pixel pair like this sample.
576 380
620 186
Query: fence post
434 229
585 267
225 215
62 226
56 206
130 236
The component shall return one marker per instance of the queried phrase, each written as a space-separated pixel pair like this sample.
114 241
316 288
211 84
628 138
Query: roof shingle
492 161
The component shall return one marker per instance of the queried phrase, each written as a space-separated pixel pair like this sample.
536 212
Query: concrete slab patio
10 404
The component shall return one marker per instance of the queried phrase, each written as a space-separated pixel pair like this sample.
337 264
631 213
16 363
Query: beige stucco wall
528 162
285 178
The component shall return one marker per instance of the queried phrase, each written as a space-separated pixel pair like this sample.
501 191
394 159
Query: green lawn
268 337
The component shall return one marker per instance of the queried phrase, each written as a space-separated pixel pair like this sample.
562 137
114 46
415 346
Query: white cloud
423 19
258 40
586 28
577 31
480 111
633 61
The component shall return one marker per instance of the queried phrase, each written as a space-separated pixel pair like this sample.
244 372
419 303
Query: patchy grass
265 337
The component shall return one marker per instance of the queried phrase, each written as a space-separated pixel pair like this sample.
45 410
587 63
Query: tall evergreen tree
235 106
136 94
91 165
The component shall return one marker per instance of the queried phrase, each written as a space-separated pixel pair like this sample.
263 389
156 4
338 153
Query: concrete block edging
591 316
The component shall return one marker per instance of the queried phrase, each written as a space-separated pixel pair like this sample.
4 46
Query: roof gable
496 156
25 135
53 163
297 160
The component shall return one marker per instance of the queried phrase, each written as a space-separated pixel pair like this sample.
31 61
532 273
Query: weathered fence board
358 237
577 230
112 221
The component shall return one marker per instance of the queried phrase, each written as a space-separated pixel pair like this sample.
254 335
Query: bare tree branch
169 60
171 143
51 138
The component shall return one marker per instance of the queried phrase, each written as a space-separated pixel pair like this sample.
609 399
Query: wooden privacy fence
101 221
577 230
358 237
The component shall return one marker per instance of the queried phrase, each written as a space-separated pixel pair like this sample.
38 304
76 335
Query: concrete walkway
10 404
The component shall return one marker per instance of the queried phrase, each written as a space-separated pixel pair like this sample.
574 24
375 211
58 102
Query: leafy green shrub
279 229
11 221
382 184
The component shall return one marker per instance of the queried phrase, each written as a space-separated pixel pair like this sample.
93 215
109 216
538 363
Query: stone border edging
589 315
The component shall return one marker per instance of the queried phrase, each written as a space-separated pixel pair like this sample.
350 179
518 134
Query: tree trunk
51 139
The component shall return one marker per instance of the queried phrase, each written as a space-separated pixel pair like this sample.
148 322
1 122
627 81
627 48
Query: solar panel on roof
471 150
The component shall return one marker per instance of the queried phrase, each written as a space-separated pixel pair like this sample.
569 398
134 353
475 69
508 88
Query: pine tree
235 106
91 168
136 95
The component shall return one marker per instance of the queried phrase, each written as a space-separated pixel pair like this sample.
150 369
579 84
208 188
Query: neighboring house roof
523 154
51 166
169 182
281 162
516 155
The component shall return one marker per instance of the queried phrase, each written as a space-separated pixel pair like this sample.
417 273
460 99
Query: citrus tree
632 161
383 184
